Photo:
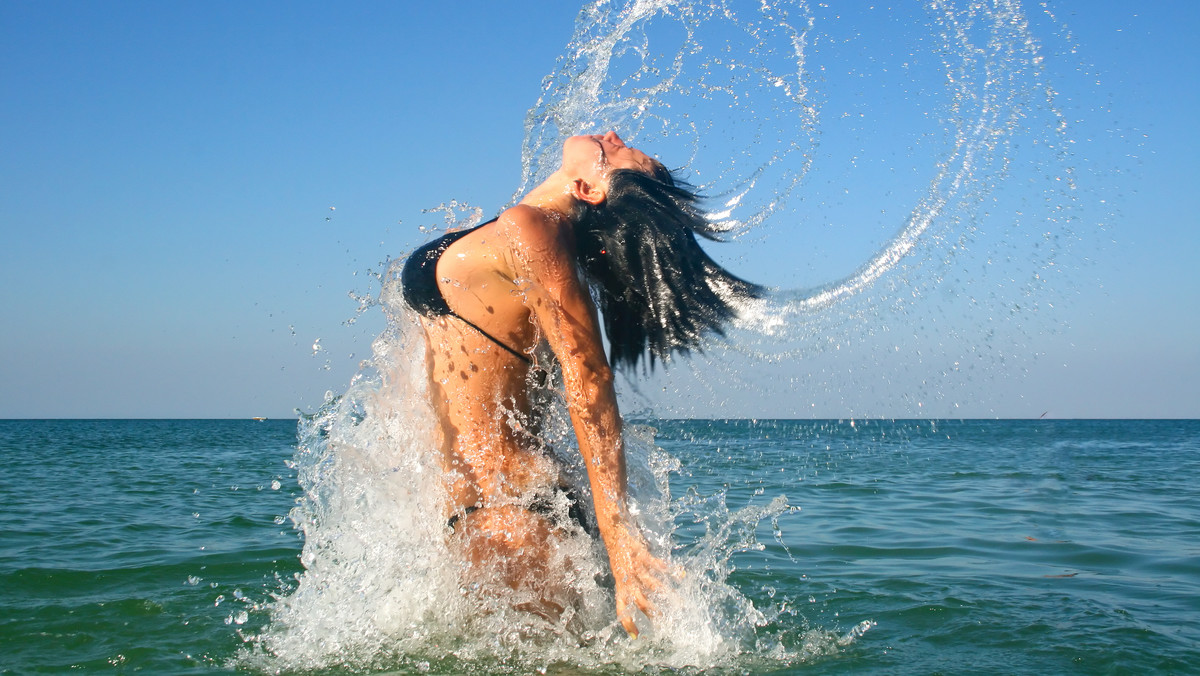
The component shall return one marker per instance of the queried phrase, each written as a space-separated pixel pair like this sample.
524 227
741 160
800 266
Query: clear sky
191 193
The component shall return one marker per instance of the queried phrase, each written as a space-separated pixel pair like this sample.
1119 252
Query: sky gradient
193 192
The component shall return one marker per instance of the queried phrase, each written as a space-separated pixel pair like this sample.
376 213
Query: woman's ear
588 192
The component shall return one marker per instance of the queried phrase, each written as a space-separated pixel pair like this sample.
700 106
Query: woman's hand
637 573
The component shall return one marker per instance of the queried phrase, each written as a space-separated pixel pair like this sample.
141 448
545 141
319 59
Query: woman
613 219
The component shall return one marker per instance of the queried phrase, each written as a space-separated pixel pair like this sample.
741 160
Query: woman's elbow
594 388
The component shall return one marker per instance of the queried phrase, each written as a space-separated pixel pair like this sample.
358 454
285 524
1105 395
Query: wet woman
611 228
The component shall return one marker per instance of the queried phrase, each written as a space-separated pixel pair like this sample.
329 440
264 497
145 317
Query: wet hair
659 293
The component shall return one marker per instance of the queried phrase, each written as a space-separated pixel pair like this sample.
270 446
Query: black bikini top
420 284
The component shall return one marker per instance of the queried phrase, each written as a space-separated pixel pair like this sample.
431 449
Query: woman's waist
514 477
557 507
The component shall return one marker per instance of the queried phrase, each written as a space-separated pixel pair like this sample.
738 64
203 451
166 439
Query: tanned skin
518 280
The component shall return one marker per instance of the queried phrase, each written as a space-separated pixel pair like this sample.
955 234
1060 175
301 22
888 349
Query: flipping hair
658 291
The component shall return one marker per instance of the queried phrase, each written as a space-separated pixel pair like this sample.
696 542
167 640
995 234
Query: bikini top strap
519 355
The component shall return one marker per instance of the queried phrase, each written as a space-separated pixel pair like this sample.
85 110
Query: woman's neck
554 194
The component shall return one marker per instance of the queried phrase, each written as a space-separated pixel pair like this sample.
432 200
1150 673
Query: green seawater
995 547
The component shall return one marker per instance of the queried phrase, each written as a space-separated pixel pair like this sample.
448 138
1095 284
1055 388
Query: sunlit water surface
1014 547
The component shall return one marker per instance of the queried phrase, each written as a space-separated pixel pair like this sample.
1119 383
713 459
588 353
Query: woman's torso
479 388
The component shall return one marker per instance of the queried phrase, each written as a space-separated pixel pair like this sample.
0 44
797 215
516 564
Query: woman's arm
566 315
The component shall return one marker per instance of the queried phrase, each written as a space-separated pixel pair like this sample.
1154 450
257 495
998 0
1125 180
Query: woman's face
594 156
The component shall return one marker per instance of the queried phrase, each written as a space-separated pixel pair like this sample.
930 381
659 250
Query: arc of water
573 100
996 114
570 99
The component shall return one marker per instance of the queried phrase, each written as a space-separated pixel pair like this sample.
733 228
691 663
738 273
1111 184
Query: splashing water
796 119
381 588
748 98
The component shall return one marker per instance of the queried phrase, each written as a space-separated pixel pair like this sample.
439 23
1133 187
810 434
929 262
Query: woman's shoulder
532 225
525 215
541 243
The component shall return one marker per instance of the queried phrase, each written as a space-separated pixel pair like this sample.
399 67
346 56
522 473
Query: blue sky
190 192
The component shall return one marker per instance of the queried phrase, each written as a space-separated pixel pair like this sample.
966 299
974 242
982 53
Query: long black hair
658 291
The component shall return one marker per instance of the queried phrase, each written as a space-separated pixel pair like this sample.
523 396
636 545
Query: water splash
904 154
382 590
724 87
749 101
715 87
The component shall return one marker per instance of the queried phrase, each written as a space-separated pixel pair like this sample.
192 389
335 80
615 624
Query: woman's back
478 384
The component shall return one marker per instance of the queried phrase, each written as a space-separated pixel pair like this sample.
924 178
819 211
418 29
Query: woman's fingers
626 617
643 603
633 594
639 575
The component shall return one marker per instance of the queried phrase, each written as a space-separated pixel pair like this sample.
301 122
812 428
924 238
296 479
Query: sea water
919 546
816 546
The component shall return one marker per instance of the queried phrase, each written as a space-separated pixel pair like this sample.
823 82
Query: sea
860 547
